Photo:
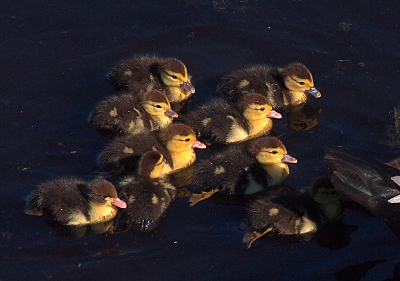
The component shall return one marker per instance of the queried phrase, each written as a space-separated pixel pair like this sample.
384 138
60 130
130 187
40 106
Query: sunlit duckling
370 183
176 143
238 171
292 212
147 194
123 114
143 73
72 201
287 86
219 121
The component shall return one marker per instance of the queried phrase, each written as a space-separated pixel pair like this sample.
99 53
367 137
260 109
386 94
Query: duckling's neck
176 94
97 214
158 122
277 173
294 97
259 127
182 159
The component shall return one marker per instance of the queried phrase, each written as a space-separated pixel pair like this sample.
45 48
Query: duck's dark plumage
73 201
282 86
370 183
219 121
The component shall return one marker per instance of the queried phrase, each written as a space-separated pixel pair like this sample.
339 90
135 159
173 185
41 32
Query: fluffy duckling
144 73
148 194
219 121
123 114
72 201
236 171
287 86
292 212
370 183
176 143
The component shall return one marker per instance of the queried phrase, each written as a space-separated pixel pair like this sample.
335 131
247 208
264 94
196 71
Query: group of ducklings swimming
148 148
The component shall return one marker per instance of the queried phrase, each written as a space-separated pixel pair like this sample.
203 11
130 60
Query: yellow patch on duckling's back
273 212
154 199
219 170
127 150
113 112
244 83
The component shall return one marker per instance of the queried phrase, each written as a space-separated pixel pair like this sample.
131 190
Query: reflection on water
302 117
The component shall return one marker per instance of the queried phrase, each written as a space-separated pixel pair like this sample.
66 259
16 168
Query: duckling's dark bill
188 87
313 91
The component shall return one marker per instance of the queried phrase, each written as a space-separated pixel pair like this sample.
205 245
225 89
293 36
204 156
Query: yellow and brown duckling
123 114
147 194
288 86
141 74
237 171
219 121
176 143
293 212
73 201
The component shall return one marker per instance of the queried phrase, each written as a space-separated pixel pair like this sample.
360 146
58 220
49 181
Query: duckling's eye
302 83
188 139
158 106
274 152
174 77
262 108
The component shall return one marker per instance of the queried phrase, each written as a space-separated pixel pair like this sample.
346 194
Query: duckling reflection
302 117
370 183
75 231
293 212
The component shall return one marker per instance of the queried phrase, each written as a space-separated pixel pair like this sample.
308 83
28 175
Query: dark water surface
55 56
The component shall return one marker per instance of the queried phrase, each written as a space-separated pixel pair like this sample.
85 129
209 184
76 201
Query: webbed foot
250 237
197 197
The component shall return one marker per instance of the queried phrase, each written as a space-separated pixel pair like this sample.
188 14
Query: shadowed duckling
292 212
176 143
144 73
147 194
72 201
287 86
123 114
370 183
219 121
237 171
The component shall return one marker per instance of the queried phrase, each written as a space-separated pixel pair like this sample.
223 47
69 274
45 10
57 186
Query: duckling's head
151 164
298 78
156 103
324 192
103 192
180 137
174 74
256 106
270 151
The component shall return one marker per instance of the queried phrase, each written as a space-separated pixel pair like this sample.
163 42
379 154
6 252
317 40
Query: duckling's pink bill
274 114
188 87
171 113
119 203
314 92
199 144
289 159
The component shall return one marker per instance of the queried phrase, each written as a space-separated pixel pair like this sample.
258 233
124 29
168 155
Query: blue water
55 56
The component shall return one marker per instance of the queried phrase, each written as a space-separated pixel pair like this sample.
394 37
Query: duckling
283 87
370 183
176 143
292 212
73 201
143 73
123 114
237 171
148 194
219 121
